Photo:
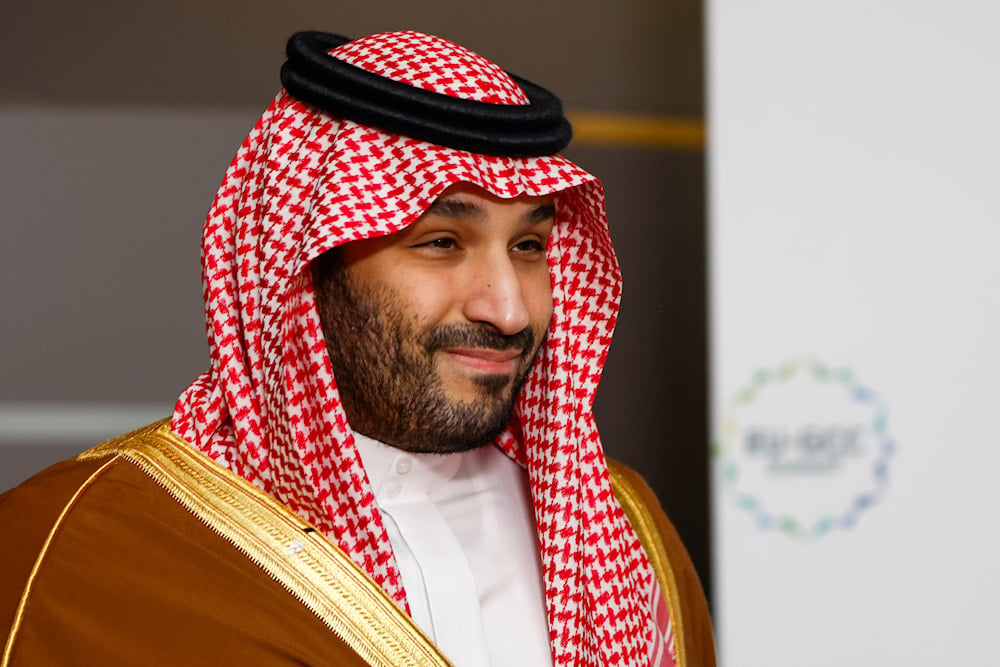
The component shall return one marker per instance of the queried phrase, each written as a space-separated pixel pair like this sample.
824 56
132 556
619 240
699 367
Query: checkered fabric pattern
268 409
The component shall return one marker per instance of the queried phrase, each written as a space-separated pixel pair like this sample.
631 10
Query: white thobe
463 533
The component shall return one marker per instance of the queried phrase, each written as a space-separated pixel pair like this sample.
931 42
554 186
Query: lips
486 360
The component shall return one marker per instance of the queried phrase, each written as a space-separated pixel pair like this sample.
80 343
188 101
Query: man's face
432 330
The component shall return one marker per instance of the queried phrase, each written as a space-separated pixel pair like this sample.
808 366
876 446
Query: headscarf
305 181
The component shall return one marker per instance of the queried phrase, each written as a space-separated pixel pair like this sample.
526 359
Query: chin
481 388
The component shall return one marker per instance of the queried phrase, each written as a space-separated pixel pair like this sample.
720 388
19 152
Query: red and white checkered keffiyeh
268 409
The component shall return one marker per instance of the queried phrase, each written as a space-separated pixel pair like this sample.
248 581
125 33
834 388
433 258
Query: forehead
476 197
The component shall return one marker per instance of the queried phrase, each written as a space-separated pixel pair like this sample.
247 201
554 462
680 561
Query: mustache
479 336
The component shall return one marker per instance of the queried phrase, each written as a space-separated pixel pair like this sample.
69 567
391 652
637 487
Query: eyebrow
451 207
541 213
456 209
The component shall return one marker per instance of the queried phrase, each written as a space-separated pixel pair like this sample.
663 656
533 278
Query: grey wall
643 55
118 120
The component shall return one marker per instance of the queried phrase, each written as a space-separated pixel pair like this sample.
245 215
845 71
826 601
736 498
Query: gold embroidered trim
649 536
29 584
307 564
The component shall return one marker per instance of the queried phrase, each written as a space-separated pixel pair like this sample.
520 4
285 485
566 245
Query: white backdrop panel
854 187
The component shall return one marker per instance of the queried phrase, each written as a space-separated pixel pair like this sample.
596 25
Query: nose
495 294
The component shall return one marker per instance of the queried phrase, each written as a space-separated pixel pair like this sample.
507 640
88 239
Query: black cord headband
311 75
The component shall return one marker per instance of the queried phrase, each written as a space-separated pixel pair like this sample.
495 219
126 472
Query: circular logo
804 449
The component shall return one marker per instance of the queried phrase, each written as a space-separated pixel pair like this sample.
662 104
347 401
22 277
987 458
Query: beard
384 366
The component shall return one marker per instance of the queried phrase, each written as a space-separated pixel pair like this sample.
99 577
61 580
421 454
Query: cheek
538 298
423 302
416 297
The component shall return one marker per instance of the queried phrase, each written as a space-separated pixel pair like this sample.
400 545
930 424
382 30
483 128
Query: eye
442 243
530 245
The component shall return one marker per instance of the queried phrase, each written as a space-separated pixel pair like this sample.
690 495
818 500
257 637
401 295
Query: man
392 459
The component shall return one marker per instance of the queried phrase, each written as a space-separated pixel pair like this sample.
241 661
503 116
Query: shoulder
34 514
674 569
39 517
145 551
30 512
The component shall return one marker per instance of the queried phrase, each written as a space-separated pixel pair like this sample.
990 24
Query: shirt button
393 489
404 466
